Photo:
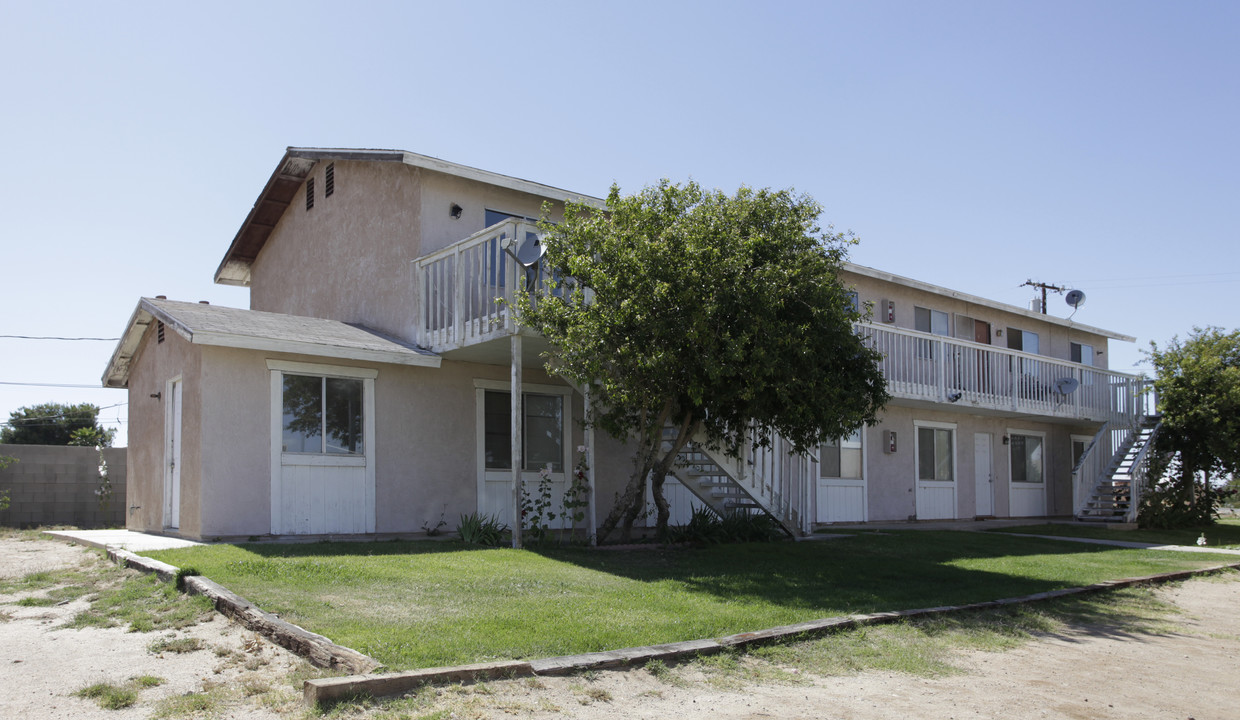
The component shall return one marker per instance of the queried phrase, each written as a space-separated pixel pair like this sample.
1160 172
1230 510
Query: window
1022 340
935 458
841 458
544 431
322 415
1026 458
930 321
1083 354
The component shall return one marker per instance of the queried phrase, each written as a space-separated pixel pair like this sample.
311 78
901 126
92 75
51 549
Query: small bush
479 529
707 528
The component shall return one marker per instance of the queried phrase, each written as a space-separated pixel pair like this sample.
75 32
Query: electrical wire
59 385
48 337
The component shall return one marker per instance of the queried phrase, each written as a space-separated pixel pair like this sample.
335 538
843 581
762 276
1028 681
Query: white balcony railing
464 295
919 366
464 292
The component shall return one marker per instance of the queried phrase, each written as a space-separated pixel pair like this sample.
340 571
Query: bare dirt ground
234 674
1188 668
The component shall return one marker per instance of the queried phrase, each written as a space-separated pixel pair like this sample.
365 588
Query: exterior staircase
761 482
1117 492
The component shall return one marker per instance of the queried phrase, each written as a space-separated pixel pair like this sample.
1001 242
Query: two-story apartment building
377 382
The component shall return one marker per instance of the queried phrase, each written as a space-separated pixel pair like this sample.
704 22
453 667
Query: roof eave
984 302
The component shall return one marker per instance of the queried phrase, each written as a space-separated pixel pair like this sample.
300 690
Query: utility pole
1044 287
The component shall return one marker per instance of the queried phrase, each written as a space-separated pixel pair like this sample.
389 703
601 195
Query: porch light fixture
455 211
1006 440
157 395
954 397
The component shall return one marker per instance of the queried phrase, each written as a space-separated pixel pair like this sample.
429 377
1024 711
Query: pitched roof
203 324
295 167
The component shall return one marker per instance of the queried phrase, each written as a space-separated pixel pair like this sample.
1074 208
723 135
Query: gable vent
329 180
310 193
159 330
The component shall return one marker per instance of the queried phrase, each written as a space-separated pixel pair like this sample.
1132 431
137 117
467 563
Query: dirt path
1190 670
42 665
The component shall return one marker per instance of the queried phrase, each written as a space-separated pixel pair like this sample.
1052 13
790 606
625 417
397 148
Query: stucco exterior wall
1054 340
350 257
892 477
153 366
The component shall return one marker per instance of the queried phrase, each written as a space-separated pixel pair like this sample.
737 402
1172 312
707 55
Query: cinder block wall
56 485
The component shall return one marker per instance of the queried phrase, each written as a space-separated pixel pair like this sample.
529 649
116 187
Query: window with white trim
1027 461
929 321
841 458
322 415
543 436
935 458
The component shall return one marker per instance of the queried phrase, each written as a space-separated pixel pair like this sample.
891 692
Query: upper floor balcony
465 292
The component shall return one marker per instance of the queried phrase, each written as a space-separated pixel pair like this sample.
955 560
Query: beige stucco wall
425 442
1054 340
892 476
350 257
153 366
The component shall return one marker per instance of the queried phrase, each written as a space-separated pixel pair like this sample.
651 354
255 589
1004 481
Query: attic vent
310 193
159 330
329 180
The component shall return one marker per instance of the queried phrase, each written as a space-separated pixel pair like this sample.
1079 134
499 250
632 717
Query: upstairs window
930 321
1083 354
1022 340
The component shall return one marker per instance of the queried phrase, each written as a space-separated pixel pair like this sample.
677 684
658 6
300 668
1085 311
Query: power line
59 416
48 337
59 385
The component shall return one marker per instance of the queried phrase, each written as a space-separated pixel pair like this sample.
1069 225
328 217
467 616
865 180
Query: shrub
479 529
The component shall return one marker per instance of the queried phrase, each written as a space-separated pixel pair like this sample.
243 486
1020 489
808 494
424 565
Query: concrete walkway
124 539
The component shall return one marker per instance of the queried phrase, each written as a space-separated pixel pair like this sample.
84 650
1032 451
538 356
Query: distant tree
56 424
5 461
1198 386
705 312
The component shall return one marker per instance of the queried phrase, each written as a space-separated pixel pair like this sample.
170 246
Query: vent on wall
159 330
329 180
310 193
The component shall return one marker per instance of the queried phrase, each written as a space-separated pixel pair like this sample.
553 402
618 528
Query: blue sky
974 145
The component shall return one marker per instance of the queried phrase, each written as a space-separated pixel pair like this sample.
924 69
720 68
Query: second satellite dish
1075 298
1067 385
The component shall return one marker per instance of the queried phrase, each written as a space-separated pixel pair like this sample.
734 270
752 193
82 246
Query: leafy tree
56 424
1198 386
697 310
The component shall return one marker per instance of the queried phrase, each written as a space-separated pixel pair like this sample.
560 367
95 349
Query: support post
592 522
517 432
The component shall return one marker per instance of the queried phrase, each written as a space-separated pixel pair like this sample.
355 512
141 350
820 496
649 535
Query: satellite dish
530 250
1075 298
1067 385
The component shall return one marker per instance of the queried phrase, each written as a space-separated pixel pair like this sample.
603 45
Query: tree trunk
632 501
687 427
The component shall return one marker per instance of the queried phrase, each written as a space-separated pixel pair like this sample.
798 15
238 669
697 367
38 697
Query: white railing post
458 297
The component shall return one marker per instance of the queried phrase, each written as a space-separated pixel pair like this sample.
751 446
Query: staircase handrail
1137 474
1080 495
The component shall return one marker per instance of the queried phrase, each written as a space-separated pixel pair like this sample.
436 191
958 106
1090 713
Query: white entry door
172 456
983 475
1027 488
936 471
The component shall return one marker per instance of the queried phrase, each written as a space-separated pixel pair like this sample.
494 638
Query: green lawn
1224 534
422 604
